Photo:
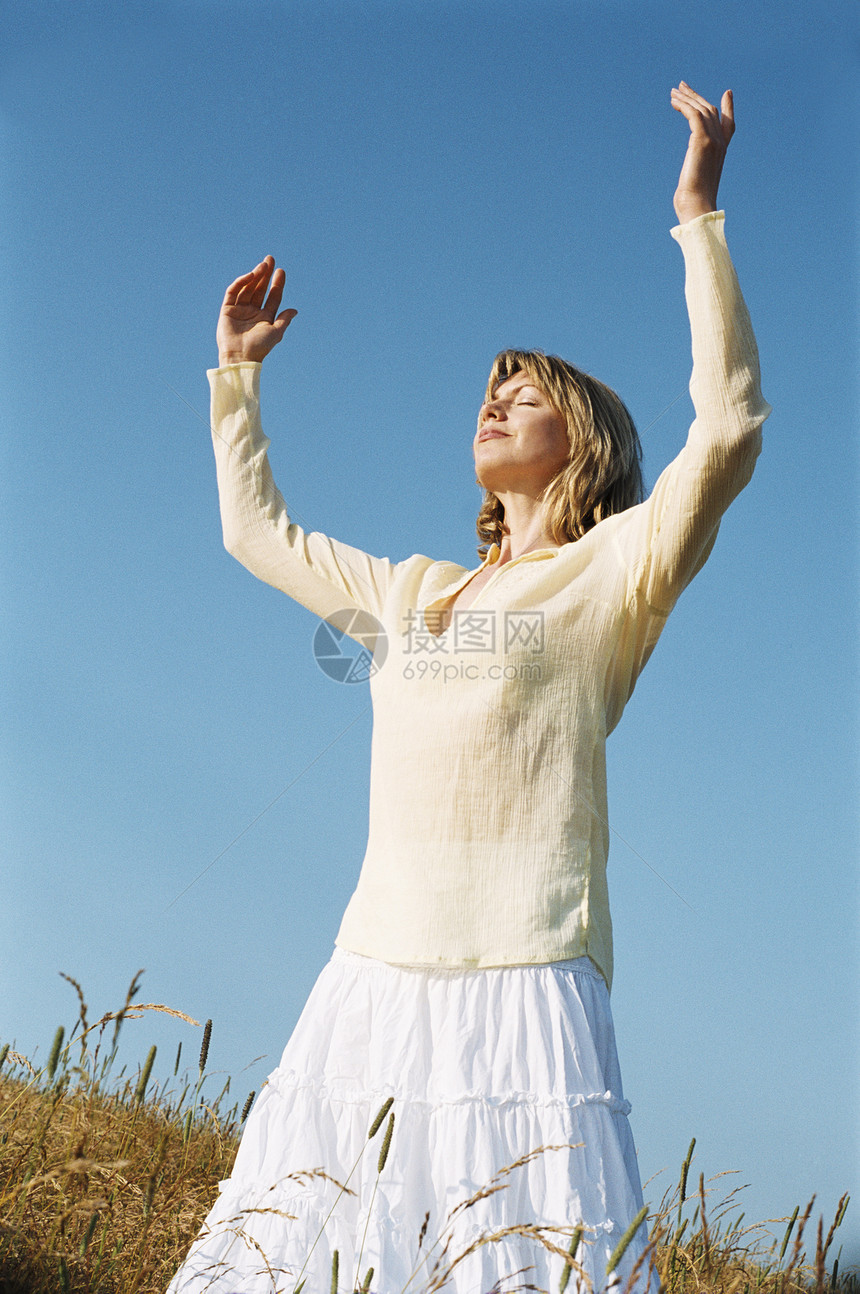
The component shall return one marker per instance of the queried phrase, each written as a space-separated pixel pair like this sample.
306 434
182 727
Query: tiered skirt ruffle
486 1069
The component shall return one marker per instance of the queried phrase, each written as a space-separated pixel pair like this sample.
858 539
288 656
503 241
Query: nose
490 409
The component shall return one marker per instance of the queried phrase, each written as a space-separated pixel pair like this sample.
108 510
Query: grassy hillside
105 1181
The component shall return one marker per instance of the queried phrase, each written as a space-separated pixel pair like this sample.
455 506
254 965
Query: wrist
688 208
226 357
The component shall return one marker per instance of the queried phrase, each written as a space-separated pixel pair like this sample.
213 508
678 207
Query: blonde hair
603 474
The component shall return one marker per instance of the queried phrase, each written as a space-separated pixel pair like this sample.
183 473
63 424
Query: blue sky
439 181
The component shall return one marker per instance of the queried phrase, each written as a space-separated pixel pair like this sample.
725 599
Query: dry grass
104 1184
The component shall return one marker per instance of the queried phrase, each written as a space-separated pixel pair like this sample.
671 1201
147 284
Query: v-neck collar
491 559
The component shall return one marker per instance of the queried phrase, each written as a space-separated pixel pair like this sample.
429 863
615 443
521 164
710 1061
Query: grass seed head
568 1267
386 1145
204 1048
54 1055
685 1168
788 1231
140 1090
377 1122
622 1246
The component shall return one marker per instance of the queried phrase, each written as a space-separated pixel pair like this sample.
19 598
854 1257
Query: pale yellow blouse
488 835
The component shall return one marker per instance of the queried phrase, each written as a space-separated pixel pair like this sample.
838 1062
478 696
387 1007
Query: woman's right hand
247 325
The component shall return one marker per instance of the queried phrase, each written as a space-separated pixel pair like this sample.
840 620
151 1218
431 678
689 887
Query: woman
470 981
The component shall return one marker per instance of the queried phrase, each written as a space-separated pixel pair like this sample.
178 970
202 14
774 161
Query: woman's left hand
710 132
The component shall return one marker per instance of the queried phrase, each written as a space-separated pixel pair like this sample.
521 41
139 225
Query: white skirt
484 1067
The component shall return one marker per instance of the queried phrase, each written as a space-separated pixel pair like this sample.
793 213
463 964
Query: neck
526 527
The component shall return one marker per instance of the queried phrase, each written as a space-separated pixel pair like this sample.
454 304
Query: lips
491 435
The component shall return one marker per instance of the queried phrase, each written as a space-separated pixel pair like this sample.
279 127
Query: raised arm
672 533
324 575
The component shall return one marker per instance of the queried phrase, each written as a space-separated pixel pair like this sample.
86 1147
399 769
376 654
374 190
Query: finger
688 102
682 105
685 94
282 323
235 287
695 97
275 293
703 117
700 120
251 286
261 281
285 318
727 115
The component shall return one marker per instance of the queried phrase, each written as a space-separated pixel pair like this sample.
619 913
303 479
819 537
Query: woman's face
521 441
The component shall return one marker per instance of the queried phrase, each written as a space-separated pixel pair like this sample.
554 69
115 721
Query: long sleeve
322 574
678 523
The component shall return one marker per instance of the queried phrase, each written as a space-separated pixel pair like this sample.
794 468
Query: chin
489 480
485 482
